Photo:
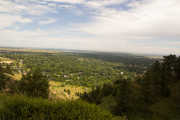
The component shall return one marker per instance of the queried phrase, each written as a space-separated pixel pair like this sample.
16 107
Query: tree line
153 95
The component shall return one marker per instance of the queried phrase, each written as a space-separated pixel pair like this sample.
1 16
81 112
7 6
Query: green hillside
71 86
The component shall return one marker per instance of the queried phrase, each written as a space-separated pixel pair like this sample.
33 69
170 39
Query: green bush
3 78
34 84
2 81
24 108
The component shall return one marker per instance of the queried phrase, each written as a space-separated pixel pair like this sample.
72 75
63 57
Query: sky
133 26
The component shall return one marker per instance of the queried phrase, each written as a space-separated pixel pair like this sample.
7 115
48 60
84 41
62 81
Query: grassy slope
60 91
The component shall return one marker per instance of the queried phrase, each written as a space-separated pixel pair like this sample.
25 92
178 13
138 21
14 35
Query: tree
2 78
122 97
34 84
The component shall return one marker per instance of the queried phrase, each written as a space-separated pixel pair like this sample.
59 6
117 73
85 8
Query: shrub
24 108
3 77
34 84
2 81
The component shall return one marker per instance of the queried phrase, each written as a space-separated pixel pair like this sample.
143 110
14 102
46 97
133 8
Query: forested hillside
71 86
153 96
28 99
73 69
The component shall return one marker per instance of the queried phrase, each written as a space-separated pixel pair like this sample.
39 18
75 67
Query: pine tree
122 97
34 84
2 78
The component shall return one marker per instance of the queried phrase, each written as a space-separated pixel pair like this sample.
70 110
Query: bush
2 81
24 108
34 84
3 77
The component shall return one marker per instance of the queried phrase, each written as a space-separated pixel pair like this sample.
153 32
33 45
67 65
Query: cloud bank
136 26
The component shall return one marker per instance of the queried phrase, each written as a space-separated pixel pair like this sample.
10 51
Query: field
66 92
6 60
27 50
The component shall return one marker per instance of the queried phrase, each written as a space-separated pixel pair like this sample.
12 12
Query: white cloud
142 28
65 6
32 7
40 9
68 1
155 18
9 6
54 39
9 20
146 21
102 3
47 21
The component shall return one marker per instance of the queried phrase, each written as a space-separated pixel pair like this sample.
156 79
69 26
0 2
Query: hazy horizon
129 26
88 51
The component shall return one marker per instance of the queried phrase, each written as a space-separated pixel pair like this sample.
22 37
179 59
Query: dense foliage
132 63
142 94
155 95
23 108
2 78
70 68
34 84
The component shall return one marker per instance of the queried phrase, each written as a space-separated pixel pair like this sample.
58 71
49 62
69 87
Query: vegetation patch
24 108
59 90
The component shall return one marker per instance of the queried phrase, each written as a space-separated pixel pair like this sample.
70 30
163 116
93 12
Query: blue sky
135 26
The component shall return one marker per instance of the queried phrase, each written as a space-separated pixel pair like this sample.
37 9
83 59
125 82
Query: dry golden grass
17 76
28 50
6 60
60 91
